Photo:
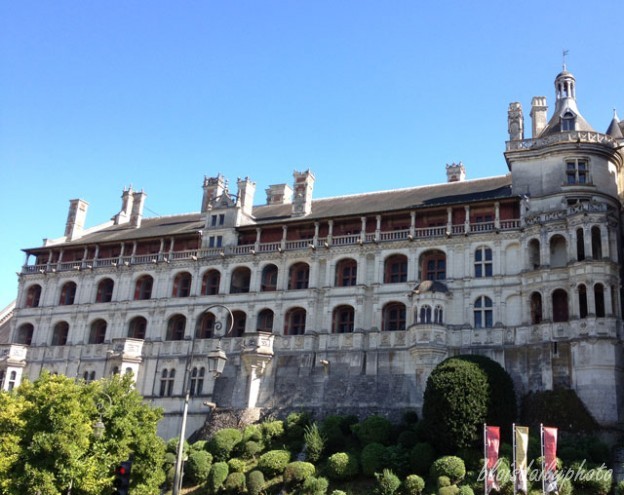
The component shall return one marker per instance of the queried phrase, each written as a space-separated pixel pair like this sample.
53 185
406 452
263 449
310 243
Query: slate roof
342 206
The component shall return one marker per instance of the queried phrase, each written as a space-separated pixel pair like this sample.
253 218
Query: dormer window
577 171
568 122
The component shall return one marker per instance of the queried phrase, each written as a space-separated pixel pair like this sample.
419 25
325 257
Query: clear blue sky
370 95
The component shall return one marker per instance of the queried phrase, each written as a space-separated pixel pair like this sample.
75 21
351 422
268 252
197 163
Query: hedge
273 462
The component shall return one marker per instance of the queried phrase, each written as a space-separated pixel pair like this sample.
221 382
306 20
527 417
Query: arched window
393 316
89 376
395 269
596 239
210 283
175 327
60 333
240 320
197 381
534 254
295 321
33 296
137 328
599 300
580 245
582 300
265 321
182 285
205 326
68 294
483 262
438 315
97 333
298 276
240 280
558 251
143 288
167 379
425 314
560 305
536 308
105 291
269 278
483 315
343 319
433 265
346 273
25 334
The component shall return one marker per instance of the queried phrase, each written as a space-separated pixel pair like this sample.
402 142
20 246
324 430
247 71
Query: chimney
279 194
76 218
138 200
213 188
539 112
455 172
515 122
302 199
126 207
246 191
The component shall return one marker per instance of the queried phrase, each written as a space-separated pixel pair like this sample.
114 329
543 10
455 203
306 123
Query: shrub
398 459
332 429
374 429
565 487
443 481
218 474
235 483
272 430
596 481
314 442
455 404
172 446
255 482
413 485
619 490
273 462
342 466
372 458
314 486
199 445
387 482
421 458
450 466
237 465
197 468
340 492
410 417
297 472
561 408
448 490
408 439
252 433
465 490
251 449
223 442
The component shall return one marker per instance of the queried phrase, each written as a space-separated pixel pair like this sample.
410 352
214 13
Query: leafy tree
49 445
314 442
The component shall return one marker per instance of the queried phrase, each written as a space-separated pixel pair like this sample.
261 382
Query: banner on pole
549 447
521 438
492 443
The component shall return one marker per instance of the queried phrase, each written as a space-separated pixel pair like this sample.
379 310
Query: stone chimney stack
76 218
279 194
302 199
138 200
213 188
539 111
127 200
246 191
455 172
515 122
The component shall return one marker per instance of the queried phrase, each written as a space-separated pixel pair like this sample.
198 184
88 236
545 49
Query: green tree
50 447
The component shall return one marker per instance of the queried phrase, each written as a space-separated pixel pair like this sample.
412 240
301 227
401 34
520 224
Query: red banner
492 441
550 449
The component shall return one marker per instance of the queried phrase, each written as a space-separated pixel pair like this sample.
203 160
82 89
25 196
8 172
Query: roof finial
565 53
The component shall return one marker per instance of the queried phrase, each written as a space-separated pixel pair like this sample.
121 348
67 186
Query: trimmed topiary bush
197 467
272 430
297 472
332 428
314 486
342 466
408 438
374 429
596 481
455 405
387 483
251 449
448 490
273 462
217 476
237 465
421 458
372 458
199 445
223 442
398 459
252 433
465 490
443 481
340 492
255 482
413 485
235 483
450 466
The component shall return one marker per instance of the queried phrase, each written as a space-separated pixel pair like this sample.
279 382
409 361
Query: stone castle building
347 303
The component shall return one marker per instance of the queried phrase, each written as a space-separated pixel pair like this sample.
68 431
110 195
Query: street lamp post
216 363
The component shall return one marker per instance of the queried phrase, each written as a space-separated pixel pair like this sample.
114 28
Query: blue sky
369 95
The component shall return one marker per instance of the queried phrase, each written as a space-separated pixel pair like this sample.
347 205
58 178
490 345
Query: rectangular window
577 172
211 241
221 219
213 220
219 241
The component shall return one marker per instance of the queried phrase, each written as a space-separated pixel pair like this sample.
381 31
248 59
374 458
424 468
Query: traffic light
122 478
